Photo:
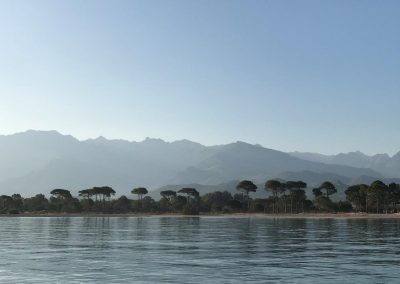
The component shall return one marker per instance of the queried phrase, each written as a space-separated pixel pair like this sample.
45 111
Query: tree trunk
248 201
273 202
291 203
377 205
284 200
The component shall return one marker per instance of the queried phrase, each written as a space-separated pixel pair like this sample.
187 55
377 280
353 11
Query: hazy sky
319 76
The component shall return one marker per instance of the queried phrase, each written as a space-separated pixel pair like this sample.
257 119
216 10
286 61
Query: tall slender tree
378 190
140 191
5 201
85 193
294 188
300 192
363 191
317 192
328 187
102 191
168 195
394 192
291 186
247 186
274 186
354 195
61 193
189 192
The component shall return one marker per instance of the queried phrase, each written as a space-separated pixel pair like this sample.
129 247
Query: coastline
231 215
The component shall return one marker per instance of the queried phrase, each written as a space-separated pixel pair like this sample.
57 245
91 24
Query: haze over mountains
382 163
38 161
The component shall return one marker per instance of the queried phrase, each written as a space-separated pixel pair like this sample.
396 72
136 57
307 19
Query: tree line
285 197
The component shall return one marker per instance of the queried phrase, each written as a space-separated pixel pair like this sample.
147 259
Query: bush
324 204
72 206
235 204
215 201
189 209
13 212
343 206
87 204
227 210
258 207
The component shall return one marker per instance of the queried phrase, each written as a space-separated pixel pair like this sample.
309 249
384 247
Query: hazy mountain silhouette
37 161
382 163
241 160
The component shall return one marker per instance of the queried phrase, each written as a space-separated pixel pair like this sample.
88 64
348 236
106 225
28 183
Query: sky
318 76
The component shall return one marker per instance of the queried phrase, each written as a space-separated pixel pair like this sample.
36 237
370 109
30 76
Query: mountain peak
245 145
187 142
150 140
354 153
184 141
240 144
397 155
101 139
39 132
41 135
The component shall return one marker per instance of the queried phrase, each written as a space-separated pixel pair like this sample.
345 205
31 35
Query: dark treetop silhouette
375 198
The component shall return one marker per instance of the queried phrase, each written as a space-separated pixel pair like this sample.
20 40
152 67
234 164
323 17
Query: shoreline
231 215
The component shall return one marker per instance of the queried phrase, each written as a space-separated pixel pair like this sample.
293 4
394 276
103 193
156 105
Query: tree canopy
317 191
328 187
376 197
140 191
189 191
246 186
168 194
61 193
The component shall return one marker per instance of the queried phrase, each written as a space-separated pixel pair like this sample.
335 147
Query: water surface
198 250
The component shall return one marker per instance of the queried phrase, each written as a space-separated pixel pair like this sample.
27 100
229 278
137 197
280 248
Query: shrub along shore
282 199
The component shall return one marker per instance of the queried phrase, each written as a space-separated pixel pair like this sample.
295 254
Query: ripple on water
198 250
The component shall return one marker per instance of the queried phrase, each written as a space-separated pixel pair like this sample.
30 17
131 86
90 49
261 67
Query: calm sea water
198 250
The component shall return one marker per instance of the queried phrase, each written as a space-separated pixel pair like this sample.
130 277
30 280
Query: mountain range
382 163
38 161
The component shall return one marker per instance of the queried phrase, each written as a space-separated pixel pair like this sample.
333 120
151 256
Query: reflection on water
198 250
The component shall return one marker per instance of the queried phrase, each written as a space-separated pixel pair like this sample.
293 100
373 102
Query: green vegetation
246 187
281 197
140 191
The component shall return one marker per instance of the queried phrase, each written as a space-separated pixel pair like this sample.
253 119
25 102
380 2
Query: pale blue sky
320 76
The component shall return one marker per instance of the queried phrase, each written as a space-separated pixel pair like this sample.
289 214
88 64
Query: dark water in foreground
198 250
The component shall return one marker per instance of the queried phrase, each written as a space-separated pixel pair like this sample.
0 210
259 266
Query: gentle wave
198 250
